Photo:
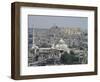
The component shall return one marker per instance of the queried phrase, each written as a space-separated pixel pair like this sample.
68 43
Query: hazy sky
36 21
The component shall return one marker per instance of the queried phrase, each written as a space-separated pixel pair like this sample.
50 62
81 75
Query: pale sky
40 21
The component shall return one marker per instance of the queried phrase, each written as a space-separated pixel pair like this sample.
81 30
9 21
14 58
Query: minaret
53 46
33 43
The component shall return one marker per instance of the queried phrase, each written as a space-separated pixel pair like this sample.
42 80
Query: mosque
54 52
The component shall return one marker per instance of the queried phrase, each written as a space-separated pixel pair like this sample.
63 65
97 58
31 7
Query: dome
61 41
61 45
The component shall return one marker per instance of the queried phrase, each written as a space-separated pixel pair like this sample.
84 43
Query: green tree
66 58
69 58
74 58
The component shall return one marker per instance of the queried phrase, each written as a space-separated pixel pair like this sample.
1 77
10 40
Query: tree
66 58
74 58
69 58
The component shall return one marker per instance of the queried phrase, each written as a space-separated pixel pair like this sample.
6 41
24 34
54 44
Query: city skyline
57 40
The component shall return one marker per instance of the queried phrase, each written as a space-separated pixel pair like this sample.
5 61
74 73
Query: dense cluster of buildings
45 44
